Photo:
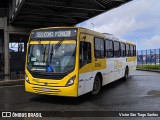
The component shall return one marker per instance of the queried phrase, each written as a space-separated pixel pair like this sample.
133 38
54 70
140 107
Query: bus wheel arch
97 84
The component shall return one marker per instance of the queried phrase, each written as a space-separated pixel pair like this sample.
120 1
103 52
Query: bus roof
116 38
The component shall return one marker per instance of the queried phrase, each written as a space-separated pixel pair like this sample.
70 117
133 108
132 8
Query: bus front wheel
96 85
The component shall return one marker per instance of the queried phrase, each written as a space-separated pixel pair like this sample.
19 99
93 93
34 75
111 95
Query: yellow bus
72 61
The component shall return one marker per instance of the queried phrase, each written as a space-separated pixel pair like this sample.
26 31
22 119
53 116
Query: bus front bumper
70 91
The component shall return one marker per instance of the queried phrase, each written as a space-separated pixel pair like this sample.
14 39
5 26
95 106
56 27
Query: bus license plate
45 89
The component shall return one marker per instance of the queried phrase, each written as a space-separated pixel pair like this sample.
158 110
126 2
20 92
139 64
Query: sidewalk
12 79
150 70
11 82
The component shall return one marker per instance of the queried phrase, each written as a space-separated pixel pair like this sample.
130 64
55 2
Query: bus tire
126 74
96 85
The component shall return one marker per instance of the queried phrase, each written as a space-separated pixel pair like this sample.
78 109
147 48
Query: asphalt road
141 92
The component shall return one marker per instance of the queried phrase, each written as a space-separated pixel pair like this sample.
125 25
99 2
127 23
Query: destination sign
54 33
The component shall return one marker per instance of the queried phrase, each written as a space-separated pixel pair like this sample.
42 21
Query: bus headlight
71 81
27 79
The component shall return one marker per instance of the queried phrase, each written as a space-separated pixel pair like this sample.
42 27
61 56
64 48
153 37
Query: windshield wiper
56 47
42 49
44 54
51 54
48 49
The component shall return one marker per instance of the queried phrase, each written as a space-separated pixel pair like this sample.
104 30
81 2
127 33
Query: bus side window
134 50
116 49
85 53
109 48
127 50
99 48
123 49
131 50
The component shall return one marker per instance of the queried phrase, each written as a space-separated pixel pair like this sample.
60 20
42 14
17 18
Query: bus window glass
85 53
109 48
127 50
123 49
50 58
131 50
99 48
116 49
134 50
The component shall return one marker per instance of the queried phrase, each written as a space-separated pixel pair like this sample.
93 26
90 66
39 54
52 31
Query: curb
158 71
11 82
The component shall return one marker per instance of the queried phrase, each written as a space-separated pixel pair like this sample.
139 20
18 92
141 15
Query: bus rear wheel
126 73
96 85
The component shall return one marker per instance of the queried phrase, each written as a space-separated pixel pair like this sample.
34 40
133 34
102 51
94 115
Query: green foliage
152 67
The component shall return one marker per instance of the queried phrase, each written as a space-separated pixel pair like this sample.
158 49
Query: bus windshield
53 58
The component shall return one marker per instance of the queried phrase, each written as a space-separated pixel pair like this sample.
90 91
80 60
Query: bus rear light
71 81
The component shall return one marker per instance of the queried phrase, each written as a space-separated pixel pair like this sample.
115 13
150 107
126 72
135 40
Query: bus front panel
52 62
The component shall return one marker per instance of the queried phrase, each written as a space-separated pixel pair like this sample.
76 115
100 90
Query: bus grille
44 90
45 76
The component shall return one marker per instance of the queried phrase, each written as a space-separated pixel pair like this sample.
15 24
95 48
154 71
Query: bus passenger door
85 71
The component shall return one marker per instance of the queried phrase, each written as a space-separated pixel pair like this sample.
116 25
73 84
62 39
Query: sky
137 21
